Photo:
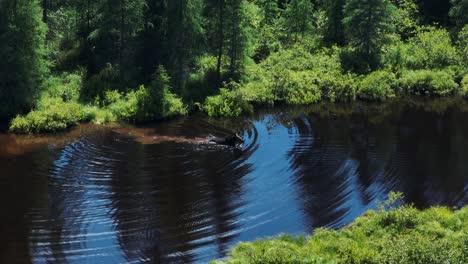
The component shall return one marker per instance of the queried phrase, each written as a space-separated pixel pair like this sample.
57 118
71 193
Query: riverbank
401 235
428 65
55 115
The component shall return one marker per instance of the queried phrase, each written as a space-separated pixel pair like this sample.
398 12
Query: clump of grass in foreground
398 235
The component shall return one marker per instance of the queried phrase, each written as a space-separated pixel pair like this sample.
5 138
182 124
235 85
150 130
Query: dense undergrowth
59 106
389 235
429 64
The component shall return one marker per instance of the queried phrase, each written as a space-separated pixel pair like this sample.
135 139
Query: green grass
397 235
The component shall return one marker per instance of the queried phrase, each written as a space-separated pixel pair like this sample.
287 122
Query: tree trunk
220 40
45 7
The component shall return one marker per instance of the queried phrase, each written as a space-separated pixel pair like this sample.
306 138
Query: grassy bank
395 235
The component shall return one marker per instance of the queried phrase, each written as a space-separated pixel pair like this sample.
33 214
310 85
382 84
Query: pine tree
184 37
333 30
459 13
298 15
366 24
22 64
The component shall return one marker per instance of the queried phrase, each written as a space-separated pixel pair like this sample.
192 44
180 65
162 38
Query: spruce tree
22 64
366 24
298 15
459 13
333 29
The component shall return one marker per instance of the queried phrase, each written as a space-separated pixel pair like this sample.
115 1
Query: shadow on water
159 194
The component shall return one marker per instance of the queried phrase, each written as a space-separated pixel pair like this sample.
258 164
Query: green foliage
228 103
297 20
377 86
463 45
401 235
96 85
267 51
406 17
333 29
67 86
203 81
458 12
366 25
22 51
51 115
284 73
298 88
428 83
431 48
337 87
464 86
146 104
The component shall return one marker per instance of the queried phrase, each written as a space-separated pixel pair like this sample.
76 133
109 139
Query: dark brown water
161 195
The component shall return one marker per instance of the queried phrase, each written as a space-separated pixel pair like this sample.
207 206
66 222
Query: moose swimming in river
232 140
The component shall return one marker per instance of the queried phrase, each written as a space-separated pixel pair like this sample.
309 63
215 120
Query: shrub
299 88
431 48
96 85
401 235
428 83
464 86
67 86
51 115
463 45
377 86
203 81
146 104
358 61
227 103
336 87
434 48
126 108
399 56
172 105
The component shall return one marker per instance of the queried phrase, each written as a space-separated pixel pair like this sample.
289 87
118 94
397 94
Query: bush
228 103
336 87
431 48
67 86
146 104
434 48
464 86
428 83
402 235
377 86
463 45
95 86
51 115
359 62
203 81
299 88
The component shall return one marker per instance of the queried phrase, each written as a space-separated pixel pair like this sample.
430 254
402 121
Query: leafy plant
398 234
377 86
428 83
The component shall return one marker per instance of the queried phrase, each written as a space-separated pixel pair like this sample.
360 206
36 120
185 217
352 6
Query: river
157 193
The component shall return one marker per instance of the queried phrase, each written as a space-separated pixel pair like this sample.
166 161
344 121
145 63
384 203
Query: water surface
159 194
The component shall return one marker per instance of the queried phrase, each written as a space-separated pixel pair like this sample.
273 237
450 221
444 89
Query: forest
63 62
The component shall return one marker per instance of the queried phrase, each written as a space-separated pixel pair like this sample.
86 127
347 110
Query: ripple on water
111 197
